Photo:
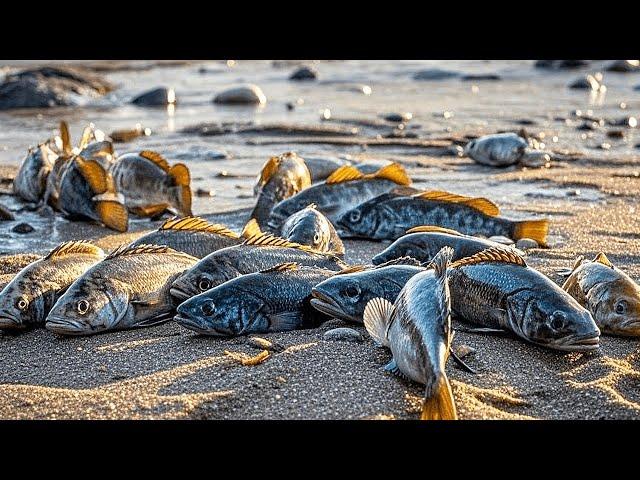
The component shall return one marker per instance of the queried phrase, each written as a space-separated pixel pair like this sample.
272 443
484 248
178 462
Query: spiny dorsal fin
94 174
394 172
352 269
124 250
483 205
65 137
87 133
283 267
578 262
197 224
251 229
346 173
433 229
602 258
492 254
406 260
269 169
156 158
267 240
82 246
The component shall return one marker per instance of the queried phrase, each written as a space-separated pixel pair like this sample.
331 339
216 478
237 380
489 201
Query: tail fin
251 229
113 214
441 261
65 137
181 177
377 315
534 229
439 404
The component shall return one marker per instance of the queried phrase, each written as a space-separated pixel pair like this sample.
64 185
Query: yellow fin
180 174
124 250
65 137
86 138
440 404
483 205
535 229
94 174
602 258
156 158
492 254
394 172
149 210
433 229
251 229
113 214
68 248
267 240
283 267
346 173
269 169
197 224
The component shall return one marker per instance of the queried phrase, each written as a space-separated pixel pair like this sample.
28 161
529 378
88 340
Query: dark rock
23 228
242 95
526 121
6 214
615 134
304 73
201 192
631 122
624 66
50 86
158 97
588 126
561 64
480 77
398 117
290 106
343 335
435 74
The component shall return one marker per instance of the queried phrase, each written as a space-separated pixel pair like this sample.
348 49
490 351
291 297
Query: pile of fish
285 270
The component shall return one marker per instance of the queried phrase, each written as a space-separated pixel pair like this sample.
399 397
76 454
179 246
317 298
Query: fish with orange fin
345 188
417 330
151 186
30 182
389 216
612 297
281 177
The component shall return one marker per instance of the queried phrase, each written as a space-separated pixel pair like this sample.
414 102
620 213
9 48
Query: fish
344 189
128 289
321 168
259 251
389 216
29 296
425 241
150 186
496 289
346 294
498 150
612 297
281 177
310 227
192 235
30 182
87 191
417 330
273 300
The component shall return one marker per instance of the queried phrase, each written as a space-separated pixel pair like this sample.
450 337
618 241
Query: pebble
242 95
481 76
526 244
398 117
435 74
6 214
201 192
631 122
23 228
624 66
588 126
604 146
589 82
160 96
304 73
343 335
501 239
615 134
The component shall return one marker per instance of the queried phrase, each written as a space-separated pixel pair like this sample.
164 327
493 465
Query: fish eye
557 320
82 307
352 291
208 307
621 307
354 216
316 238
22 303
204 284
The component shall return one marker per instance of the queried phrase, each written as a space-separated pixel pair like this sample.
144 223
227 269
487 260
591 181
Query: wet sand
169 372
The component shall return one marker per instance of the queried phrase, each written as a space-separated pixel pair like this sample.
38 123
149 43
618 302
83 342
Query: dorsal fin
492 254
267 240
197 224
352 269
483 205
406 260
156 158
313 206
577 263
95 175
602 258
346 173
87 133
269 169
251 229
82 246
394 172
433 229
124 250
283 267
65 137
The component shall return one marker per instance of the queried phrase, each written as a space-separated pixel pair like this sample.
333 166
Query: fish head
22 303
220 312
616 306
553 319
470 148
406 246
309 229
204 275
363 221
89 307
283 210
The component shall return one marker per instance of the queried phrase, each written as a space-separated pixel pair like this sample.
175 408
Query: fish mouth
578 343
9 322
327 305
179 294
630 328
63 326
196 326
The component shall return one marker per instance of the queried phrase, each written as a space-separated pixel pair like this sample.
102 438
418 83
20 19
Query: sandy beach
589 195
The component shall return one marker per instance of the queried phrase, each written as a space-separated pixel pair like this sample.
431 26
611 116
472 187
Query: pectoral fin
282 321
149 210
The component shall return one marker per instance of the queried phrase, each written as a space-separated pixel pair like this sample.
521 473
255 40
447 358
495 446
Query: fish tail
113 214
534 229
181 177
441 261
439 404
377 315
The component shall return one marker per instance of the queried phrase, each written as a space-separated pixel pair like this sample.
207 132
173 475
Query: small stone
588 126
574 193
482 77
526 244
501 239
463 351
304 73
325 114
23 228
624 66
290 106
343 335
201 192
398 117
243 95
615 134
435 74
536 159
157 97
604 146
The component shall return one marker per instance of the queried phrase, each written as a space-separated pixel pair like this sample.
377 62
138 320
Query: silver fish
31 180
310 227
498 150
